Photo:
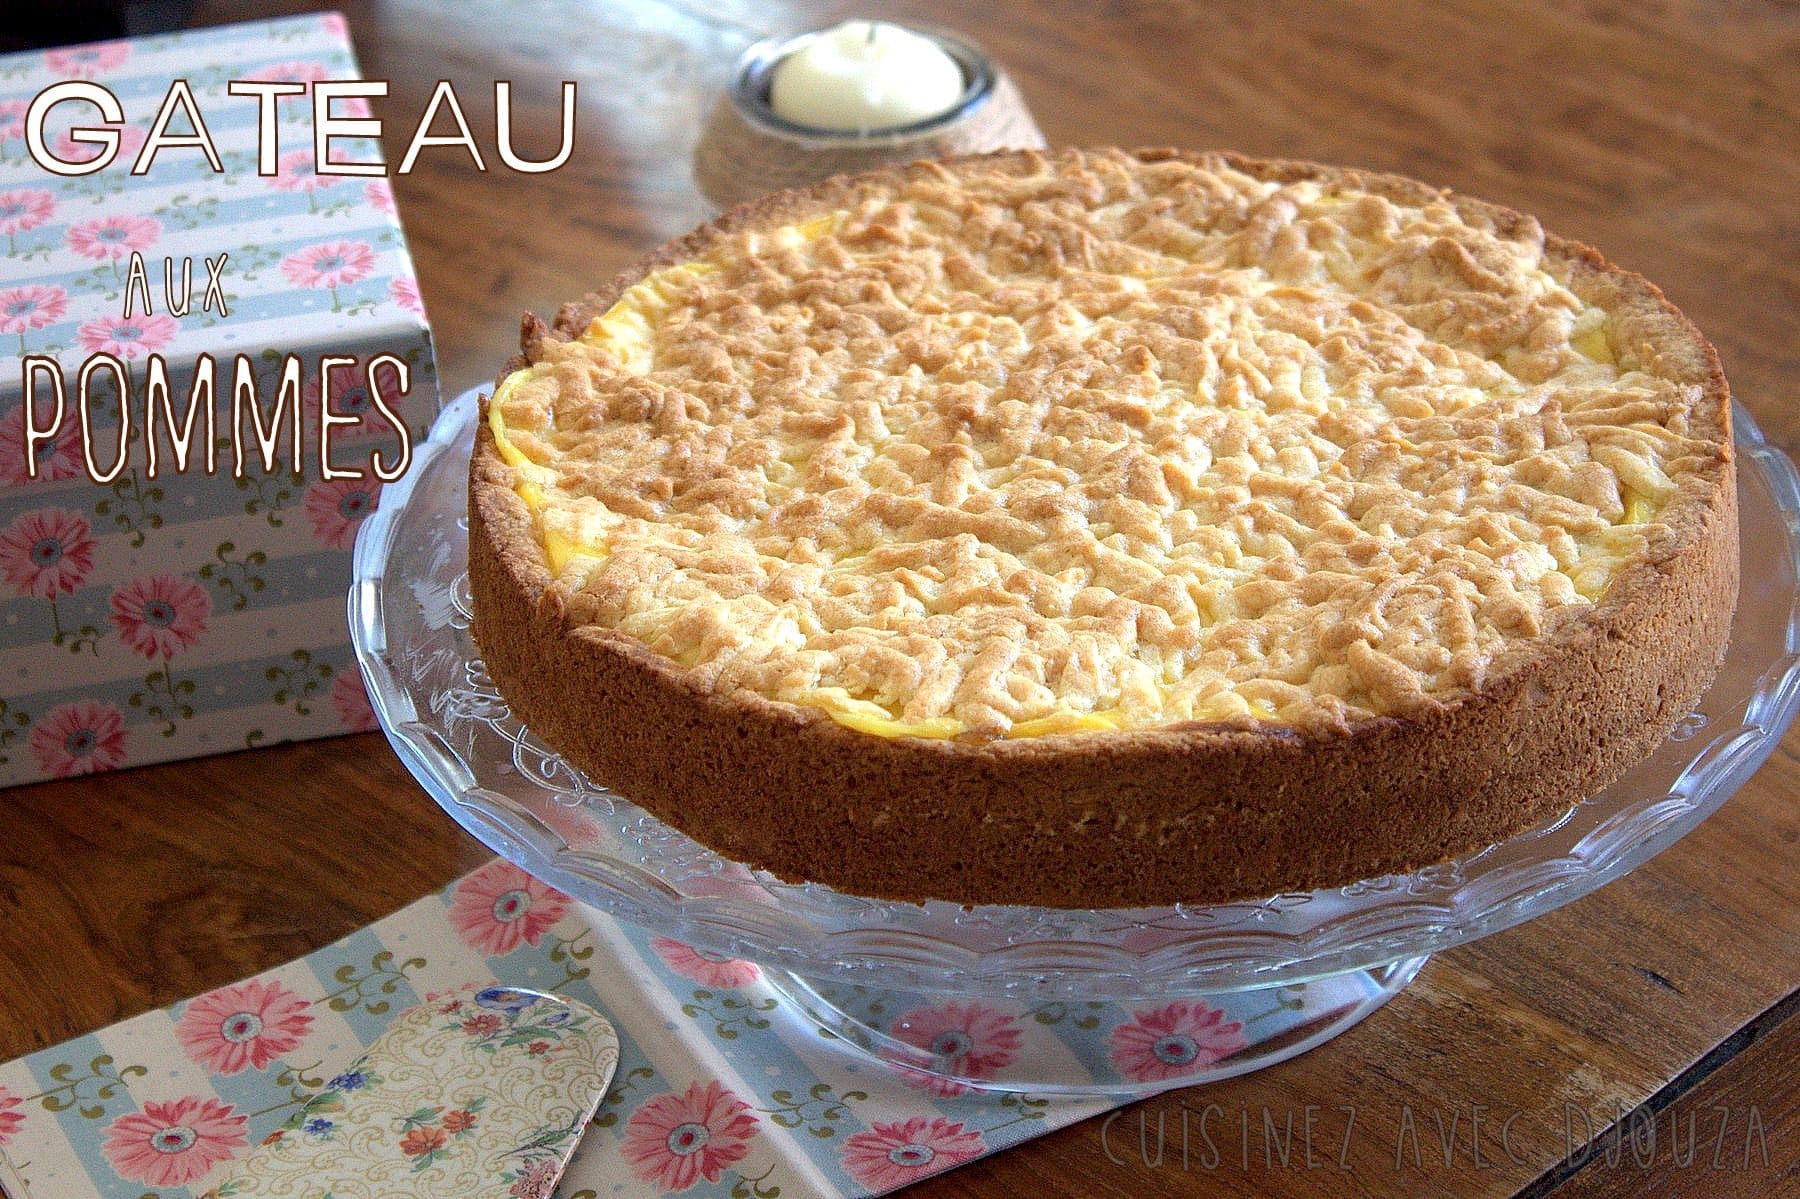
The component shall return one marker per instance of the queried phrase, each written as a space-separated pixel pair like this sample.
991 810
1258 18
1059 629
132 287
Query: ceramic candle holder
747 150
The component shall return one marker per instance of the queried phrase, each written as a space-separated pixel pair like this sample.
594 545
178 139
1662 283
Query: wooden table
1664 134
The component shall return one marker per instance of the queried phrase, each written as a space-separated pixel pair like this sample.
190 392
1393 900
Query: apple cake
1106 528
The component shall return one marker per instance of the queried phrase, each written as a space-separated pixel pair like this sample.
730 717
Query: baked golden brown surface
1107 529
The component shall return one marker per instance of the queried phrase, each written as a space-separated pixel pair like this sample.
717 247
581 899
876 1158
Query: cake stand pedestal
1088 1054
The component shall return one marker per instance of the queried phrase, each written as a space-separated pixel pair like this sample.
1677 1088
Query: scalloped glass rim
409 621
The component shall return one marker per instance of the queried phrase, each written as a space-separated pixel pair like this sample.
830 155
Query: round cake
1106 528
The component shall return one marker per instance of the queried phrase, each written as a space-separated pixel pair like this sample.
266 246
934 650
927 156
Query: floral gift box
153 608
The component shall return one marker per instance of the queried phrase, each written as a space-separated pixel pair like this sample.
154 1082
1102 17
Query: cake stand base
947 1043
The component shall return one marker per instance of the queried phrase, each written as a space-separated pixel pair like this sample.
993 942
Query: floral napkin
722 1089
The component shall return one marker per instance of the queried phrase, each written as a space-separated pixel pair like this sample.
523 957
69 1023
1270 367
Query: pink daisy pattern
307 72
967 1039
161 615
33 306
1171 1041
500 907
891 1155
331 265
243 1027
131 140
352 703
351 106
22 211
12 118
58 458
379 194
113 237
336 508
295 172
87 62
674 1141
707 969
405 292
11 1118
47 552
170 1144
85 737
350 396
128 338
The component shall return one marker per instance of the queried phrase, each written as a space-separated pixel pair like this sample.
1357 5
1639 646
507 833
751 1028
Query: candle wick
871 33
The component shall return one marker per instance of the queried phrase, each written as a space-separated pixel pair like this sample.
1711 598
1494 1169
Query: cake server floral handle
482 1093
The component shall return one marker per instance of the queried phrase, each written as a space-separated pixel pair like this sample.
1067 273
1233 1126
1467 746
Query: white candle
865 75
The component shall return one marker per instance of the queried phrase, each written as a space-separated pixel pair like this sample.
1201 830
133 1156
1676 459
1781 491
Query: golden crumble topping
1097 443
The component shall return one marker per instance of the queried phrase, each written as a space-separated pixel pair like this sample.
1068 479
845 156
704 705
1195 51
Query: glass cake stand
852 963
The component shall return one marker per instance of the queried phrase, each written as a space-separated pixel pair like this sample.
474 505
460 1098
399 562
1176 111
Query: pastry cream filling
1173 445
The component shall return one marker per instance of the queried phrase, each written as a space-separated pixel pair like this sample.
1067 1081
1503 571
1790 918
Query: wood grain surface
1662 133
